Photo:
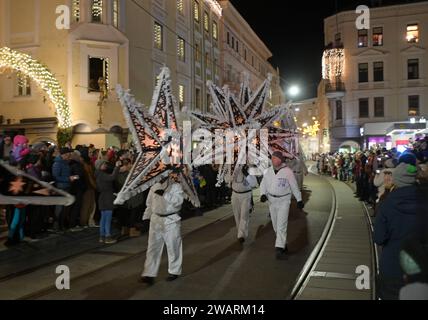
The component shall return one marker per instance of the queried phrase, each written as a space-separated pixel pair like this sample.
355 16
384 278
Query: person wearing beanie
277 186
395 222
20 148
408 158
383 179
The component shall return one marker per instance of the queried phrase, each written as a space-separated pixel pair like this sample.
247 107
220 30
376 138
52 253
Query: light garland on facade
97 8
215 6
24 64
333 64
313 130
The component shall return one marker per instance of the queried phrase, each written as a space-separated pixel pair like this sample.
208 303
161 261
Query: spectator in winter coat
20 148
395 222
5 148
78 188
62 174
105 186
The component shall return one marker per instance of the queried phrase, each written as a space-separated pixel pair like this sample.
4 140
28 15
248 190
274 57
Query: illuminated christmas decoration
333 64
157 138
20 188
14 61
76 10
97 8
241 120
312 130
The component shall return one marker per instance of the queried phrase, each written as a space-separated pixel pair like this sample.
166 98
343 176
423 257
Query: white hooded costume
165 228
278 188
299 169
241 201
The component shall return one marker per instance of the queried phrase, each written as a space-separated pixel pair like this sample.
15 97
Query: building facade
376 80
112 42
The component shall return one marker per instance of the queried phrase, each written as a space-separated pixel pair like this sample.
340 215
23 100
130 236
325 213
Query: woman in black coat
105 187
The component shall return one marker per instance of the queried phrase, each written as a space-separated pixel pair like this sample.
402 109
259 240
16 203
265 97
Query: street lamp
294 91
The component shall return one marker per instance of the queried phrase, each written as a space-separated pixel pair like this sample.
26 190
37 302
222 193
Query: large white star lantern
158 141
245 133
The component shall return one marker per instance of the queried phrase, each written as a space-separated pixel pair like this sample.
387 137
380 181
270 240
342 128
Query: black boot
147 280
171 278
280 254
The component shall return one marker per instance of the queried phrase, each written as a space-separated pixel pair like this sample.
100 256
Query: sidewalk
348 247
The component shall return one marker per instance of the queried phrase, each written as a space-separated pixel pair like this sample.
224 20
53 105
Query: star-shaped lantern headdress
245 117
19 188
157 138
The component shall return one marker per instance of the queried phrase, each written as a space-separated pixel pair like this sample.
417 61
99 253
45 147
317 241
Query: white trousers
279 209
164 231
241 204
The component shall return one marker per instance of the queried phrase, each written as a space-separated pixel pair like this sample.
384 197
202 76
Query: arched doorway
19 62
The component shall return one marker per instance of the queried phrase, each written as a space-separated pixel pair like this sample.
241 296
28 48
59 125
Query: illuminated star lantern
157 138
20 188
251 126
17 186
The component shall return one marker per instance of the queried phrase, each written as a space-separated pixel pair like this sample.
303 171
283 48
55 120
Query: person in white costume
299 169
164 204
277 186
242 185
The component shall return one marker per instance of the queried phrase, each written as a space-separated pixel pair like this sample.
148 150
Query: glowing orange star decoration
17 186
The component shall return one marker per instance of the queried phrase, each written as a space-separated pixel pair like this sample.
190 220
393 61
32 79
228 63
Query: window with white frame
215 31
158 36
364 108
377 36
206 22
413 69
363 38
98 74
23 85
181 49
412 35
414 106
379 107
196 12
198 97
97 11
378 71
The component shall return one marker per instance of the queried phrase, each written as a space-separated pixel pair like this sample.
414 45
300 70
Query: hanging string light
11 60
97 8
333 63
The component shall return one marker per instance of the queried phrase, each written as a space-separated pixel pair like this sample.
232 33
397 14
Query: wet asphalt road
215 265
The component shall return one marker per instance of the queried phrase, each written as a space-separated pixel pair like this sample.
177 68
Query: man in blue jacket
61 173
395 222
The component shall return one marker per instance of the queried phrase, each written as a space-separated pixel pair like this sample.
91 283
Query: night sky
297 46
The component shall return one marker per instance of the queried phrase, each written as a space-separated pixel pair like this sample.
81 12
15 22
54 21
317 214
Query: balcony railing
337 86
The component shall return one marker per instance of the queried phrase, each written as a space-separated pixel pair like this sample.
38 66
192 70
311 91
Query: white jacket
171 202
281 184
242 184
